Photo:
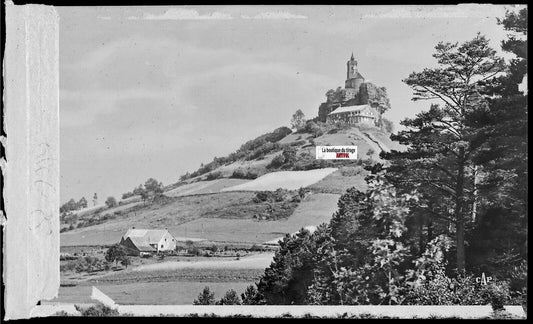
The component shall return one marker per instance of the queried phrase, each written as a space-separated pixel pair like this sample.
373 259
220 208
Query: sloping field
337 183
202 217
313 210
169 215
257 166
204 187
290 180
385 140
295 138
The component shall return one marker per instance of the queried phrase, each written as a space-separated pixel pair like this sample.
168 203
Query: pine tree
206 297
443 140
499 238
250 296
82 203
286 280
230 298
362 255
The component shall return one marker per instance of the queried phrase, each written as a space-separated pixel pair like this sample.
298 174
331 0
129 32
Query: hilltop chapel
354 103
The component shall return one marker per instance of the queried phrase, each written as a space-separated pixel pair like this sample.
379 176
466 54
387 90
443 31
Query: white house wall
167 243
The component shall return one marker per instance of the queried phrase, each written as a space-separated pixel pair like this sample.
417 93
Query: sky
155 91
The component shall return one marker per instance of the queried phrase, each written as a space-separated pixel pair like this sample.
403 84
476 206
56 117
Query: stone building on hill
358 102
361 114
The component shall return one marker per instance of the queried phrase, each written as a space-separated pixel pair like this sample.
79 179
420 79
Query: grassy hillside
220 210
174 211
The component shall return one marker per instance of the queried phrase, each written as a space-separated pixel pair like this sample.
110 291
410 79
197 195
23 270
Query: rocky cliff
369 93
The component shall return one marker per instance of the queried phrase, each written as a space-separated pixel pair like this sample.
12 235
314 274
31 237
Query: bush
461 290
240 174
111 202
302 192
98 310
263 150
107 217
214 175
290 155
261 196
116 253
127 195
61 313
194 250
250 296
251 175
230 298
85 264
276 162
387 125
278 134
272 196
206 297
498 294
69 266
314 128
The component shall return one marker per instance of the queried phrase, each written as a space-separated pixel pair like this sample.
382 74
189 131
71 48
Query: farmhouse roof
145 236
349 109
141 245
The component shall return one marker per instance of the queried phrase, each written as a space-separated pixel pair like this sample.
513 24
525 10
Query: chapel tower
354 79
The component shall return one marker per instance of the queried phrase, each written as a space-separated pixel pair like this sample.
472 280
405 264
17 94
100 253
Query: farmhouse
361 114
147 241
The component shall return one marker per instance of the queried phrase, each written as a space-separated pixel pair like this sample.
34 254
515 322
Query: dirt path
380 145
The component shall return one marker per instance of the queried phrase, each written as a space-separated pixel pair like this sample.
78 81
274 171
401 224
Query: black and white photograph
288 161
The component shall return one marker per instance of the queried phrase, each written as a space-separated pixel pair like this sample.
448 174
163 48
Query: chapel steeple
354 79
351 68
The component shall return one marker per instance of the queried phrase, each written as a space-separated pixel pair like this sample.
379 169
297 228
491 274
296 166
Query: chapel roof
349 109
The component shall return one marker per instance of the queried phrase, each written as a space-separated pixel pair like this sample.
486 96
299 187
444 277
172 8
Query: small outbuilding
137 241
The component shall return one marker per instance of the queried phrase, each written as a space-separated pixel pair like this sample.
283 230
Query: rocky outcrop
373 95
325 108
368 93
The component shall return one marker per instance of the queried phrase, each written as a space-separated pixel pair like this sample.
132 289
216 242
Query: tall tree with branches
443 140
499 238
